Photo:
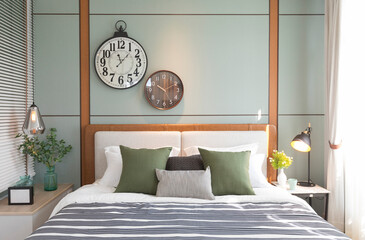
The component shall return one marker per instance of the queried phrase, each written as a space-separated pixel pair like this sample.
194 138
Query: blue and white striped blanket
171 220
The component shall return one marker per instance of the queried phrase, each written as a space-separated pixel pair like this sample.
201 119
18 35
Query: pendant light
33 124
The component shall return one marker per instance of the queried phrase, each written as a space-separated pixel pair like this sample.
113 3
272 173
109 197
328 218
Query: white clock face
121 62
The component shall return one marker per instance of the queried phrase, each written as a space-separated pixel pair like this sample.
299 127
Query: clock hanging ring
120 61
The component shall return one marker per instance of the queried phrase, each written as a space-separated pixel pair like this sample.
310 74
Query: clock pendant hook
120 26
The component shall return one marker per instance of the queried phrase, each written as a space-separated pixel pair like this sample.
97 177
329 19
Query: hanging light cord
32 55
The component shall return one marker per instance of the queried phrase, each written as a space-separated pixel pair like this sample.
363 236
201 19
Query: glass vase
50 179
25 181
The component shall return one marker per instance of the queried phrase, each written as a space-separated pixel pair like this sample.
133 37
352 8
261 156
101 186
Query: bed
94 211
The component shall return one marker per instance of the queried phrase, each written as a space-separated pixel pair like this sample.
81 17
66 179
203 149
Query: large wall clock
164 90
120 61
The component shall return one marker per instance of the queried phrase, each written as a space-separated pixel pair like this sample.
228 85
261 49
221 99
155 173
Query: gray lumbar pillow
193 184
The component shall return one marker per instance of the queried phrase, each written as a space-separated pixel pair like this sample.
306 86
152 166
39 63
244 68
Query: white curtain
345 21
335 164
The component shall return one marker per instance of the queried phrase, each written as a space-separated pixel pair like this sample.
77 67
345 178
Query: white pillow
193 150
114 167
257 177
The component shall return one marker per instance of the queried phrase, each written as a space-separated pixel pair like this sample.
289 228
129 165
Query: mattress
95 212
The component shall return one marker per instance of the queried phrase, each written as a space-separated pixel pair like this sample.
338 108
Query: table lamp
302 143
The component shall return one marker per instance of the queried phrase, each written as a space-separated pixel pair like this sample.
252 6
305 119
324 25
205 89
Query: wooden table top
305 190
41 198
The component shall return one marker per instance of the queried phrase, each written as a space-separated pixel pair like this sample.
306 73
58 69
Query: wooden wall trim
85 85
84 80
89 164
273 62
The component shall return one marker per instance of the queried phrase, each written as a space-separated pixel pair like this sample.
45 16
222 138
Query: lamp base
306 184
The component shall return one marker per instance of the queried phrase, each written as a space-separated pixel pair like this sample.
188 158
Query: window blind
16 85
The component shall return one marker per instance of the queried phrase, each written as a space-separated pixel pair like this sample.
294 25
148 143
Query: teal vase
25 181
50 179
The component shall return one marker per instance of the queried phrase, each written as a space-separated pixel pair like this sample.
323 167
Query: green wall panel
57 64
68 171
178 119
56 6
222 61
301 65
179 6
301 6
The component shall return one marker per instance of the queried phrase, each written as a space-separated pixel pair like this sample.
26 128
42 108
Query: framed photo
20 195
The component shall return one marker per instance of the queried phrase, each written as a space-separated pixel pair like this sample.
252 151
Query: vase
282 178
50 179
25 181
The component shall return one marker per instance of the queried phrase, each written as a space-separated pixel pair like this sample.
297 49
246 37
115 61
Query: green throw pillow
139 174
229 172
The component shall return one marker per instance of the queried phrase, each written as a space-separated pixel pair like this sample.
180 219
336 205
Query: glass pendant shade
33 123
301 142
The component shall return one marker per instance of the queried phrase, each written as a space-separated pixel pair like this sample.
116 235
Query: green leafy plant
48 151
280 160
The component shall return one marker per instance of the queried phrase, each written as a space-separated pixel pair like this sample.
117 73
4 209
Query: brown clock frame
152 104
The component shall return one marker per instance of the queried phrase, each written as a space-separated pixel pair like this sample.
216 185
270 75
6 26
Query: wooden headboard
88 163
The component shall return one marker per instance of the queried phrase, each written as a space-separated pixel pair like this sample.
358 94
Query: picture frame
23 195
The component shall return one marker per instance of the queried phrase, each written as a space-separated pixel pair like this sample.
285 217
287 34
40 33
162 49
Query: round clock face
164 90
121 62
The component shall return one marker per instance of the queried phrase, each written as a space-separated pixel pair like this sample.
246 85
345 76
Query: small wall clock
164 90
120 61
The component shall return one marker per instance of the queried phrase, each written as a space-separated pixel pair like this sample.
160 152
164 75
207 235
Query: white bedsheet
98 193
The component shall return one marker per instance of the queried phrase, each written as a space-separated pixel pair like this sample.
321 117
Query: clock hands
167 96
164 90
125 57
161 88
121 60
170 86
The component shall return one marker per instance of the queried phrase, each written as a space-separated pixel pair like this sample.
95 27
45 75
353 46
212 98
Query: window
16 85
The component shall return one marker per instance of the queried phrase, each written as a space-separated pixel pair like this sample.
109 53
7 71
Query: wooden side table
310 193
19 221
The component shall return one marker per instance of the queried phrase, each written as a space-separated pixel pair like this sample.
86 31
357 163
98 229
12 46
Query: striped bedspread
168 220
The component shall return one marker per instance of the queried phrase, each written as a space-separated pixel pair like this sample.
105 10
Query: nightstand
310 193
19 221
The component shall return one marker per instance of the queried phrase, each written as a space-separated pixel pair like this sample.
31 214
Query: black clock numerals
120 80
136 72
112 47
137 53
138 58
106 53
120 62
105 71
112 74
121 44
102 62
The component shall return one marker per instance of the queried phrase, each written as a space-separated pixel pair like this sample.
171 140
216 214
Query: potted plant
279 161
48 151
